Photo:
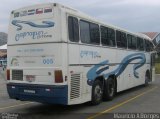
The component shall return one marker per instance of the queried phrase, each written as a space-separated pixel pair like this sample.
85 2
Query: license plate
29 91
30 78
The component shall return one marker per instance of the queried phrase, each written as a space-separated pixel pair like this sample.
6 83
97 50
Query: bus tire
109 89
97 92
147 78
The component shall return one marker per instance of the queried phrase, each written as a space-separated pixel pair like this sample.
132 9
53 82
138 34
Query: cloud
143 2
134 15
4 27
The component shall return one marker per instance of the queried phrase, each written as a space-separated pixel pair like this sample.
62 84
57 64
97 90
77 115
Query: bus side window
73 29
89 32
129 38
151 47
140 44
121 39
94 33
132 41
147 46
84 32
107 36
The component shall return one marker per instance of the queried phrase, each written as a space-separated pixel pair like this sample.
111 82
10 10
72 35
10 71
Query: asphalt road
136 100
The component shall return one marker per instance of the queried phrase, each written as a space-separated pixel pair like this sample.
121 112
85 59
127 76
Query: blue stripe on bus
45 24
56 95
96 71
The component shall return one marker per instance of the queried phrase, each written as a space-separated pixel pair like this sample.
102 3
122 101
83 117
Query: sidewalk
3 90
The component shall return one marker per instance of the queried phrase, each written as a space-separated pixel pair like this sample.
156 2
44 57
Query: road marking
120 104
12 106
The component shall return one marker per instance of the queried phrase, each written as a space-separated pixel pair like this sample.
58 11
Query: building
155 36
3 55
3 51
3 38
3 46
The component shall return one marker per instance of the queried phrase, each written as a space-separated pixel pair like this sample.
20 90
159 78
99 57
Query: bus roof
75 12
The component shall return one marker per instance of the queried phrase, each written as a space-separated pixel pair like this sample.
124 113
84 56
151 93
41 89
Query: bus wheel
97 93
109 89
147 77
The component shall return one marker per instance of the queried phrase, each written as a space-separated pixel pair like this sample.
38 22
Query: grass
157 66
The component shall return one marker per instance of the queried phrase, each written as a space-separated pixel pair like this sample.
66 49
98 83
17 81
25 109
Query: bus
59 55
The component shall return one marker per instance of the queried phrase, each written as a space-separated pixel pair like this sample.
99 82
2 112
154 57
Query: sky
133 15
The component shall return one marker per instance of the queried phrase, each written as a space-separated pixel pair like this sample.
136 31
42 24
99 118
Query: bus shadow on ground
49 109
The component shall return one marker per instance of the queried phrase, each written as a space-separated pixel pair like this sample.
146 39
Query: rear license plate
29 91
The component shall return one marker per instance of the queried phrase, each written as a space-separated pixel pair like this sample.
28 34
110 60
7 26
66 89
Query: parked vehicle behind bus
3 63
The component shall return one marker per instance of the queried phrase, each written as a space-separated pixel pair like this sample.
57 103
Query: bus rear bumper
38 93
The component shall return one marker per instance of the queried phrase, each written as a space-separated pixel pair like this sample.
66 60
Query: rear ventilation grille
75 86
17 75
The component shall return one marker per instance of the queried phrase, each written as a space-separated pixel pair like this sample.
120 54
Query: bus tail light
8 74
58 76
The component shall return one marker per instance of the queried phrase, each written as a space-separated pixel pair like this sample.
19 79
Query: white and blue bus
59 55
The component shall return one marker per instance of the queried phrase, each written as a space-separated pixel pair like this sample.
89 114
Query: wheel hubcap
111 88
146 79
98 93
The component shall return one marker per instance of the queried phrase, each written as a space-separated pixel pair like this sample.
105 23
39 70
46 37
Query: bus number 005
47 61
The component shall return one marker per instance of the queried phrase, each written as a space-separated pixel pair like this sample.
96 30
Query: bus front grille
75 86
17 75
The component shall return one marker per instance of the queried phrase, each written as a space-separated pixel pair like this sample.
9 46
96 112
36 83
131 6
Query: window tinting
94 33
107 36
73 29
121 39
140 44
132 42
147 46
84 31
156 40
89 32
151 46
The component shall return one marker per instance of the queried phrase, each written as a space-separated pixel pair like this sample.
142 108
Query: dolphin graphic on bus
45 24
